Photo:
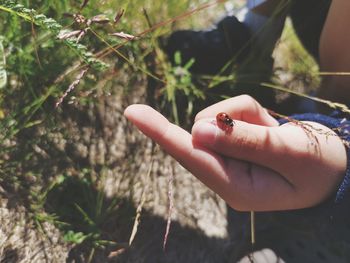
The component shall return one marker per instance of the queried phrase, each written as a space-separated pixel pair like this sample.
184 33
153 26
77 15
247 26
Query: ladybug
224 122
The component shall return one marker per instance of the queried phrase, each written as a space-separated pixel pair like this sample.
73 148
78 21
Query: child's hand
260 165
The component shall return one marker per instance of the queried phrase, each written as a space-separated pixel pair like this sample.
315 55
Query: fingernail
204 132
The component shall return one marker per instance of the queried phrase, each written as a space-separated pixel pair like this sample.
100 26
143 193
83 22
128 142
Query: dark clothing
308 17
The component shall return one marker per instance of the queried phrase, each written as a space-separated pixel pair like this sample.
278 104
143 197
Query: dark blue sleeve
339 203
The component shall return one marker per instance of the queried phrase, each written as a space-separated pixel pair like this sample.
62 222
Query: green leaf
177 58
73 237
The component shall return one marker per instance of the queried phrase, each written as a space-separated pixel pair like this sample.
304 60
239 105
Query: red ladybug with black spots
224 122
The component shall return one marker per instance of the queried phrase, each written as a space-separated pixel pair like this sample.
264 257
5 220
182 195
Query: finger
284 149
248 142
243 108
203 163
239 183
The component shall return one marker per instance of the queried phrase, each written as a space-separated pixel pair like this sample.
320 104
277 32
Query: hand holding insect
247 158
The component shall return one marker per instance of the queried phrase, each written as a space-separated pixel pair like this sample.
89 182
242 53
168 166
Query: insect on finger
225 122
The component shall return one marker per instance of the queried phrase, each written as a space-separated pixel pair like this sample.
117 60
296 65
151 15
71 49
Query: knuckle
248 143
248 99
250 103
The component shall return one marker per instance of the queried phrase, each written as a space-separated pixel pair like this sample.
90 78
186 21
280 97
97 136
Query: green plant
44 58
180 87
80 209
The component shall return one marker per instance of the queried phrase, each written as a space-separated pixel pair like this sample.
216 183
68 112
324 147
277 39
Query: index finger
203 163
243 108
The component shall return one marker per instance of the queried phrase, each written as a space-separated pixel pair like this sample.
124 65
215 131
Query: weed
74 54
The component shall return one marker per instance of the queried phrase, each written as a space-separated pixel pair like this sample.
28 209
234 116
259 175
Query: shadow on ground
112 220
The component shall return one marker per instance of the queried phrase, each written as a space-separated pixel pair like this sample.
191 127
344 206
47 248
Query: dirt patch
101 139
22 241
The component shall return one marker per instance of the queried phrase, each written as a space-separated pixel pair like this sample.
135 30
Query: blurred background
78 183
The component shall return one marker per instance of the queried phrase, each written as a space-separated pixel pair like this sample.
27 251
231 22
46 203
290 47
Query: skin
334 52
260 165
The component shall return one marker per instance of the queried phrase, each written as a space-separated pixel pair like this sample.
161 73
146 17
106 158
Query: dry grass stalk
85 2
171 206
72 86
123 35
118 16
140 206
331 104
